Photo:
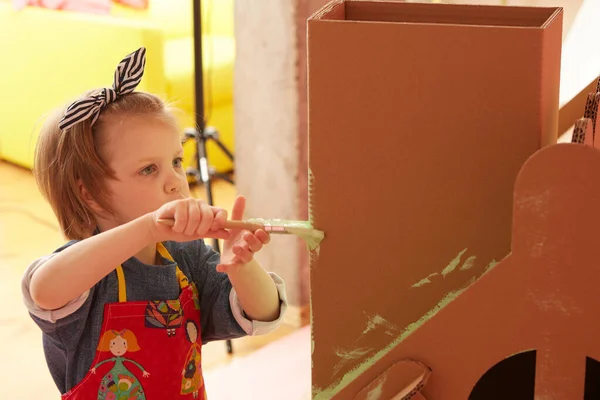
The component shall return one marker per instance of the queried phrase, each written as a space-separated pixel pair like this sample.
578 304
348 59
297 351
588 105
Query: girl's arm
256 292
79 267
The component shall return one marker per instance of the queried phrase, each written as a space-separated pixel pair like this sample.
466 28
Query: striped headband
127 76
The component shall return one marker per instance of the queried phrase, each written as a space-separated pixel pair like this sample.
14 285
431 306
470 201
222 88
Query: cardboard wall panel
417 131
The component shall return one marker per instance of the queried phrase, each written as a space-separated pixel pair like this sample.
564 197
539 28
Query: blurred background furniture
83 49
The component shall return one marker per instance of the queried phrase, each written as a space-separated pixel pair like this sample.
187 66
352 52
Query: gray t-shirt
70 342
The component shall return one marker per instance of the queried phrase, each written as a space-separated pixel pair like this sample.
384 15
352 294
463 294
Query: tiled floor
27 230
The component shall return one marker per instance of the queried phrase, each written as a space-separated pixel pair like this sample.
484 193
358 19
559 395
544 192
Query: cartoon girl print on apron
192 380
148 350
119 382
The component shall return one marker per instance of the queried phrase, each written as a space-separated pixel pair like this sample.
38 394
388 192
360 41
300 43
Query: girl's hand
194 219
239 249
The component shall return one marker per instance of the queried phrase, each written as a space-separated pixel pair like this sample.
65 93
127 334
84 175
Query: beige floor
27 230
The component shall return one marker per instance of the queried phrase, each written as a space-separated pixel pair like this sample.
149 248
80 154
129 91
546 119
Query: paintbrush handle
245 225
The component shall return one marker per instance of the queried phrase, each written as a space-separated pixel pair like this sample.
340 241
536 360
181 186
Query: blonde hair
66 159
129 336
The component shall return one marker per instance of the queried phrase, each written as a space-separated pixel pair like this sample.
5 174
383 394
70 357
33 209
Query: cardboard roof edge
437 13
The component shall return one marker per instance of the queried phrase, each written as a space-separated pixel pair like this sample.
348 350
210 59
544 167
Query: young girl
112 302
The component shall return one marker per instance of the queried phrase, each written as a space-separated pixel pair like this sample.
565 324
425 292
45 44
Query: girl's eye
178 162
148 170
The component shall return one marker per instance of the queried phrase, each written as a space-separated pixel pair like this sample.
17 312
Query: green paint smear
424 281
449 268
328 393
491 265
453 264
377 320
468 264
353 354
377 392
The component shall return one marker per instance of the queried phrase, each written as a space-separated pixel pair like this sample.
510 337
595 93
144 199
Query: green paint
377 391
453 264
491 265
424 281
347 355
448 269
302 229
375 321
468 264
328 393
319 393
353 354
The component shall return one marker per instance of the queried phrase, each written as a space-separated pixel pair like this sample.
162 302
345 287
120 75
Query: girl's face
118 346
146 155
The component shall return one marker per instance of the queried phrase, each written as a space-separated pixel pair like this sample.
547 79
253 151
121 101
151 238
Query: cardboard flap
455 14
583 132
402 381
591 107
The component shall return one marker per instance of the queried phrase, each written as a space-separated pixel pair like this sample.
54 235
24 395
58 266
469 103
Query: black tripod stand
204 173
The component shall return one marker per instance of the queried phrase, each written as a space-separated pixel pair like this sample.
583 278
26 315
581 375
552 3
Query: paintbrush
302 229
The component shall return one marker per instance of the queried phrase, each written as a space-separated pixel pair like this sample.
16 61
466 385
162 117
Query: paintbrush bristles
312 237
302 229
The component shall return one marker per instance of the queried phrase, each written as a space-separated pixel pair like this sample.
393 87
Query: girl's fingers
254 244
206 219
263 236
239 205
224 268
180 216
193 218
243 253
220 218
228 267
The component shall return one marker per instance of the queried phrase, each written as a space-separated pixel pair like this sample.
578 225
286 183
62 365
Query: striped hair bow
127 76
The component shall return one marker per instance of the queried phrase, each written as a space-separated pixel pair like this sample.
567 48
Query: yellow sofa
49 57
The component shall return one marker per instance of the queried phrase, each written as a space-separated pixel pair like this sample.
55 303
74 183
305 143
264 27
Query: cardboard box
420 118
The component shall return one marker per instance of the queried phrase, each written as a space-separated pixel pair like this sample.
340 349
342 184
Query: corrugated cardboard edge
583 132
326 9
557 11
334 4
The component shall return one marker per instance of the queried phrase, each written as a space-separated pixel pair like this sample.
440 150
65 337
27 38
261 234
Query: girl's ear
89 200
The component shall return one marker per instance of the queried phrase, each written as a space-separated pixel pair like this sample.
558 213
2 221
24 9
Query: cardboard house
420 118
527 328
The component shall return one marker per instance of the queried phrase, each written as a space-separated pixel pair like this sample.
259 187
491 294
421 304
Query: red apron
148 350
